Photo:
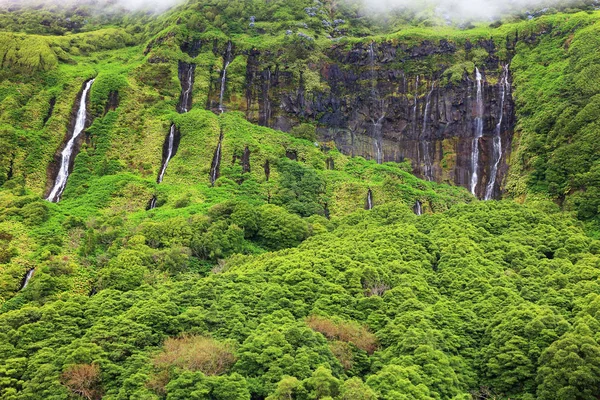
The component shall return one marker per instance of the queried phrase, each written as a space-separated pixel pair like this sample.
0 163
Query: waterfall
170 145
369 204
186 75
418 208
216 163
152 203
415 123
478 134
378 139
67 154
428 164
372 63
266 87
224 77
26 279
504 87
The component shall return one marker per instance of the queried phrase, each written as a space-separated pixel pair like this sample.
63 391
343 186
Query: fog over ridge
470 9
100 5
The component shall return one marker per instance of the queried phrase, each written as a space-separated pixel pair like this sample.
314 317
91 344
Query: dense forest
298 199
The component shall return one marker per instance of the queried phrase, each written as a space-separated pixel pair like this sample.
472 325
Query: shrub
350 332
196 353
83 380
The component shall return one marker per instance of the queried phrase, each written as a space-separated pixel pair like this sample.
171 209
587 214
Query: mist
474 10
98 5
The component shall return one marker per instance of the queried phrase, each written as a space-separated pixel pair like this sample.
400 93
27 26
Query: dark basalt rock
54 165
267 168
291 154
50 110
246 160
365 86
113 101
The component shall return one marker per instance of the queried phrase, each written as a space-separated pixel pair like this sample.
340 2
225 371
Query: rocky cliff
390 102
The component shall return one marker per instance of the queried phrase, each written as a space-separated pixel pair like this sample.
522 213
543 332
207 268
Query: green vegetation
275 282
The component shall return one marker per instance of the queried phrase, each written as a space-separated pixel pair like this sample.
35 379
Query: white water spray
224 77
377 138
478 133
65 156
504 86
428 164
418 208
185 95
27 278
170 147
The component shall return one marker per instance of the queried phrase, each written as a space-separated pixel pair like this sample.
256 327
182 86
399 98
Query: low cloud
98 5
470 9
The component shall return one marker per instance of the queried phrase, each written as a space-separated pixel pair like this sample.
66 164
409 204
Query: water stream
27 278
224 77
427 161
478 133
67 154
504 88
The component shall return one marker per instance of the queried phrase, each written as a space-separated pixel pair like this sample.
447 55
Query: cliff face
390 102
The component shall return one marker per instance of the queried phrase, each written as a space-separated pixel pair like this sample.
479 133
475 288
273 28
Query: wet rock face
377 106
54 166
113 102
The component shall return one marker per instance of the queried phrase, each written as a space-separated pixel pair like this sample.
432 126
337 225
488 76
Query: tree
83 380
570 367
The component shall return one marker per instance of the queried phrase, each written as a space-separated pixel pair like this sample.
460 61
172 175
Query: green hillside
237 223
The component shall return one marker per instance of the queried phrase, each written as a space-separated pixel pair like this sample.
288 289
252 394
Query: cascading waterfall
418 208
216 163
186 76
224 77
27 278
478 133
67 154
168 155
504 87
428 164
369 205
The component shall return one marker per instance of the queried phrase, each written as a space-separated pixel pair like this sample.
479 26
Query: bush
196 353
83 380
349 332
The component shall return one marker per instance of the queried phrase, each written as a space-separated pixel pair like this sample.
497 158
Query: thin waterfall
186 76
152 203
418 208
27 278
504 87
478 133
369 205
216 163
415 111
170 146
67 155
266 87
378 138
224 76
377 125
428 164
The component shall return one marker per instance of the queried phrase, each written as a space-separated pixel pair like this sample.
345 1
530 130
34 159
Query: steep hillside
284 200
